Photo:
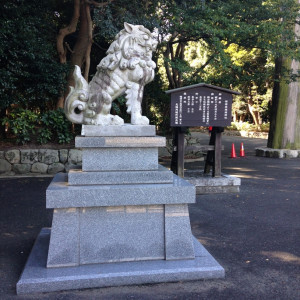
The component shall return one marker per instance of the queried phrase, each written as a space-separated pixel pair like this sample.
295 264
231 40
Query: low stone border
254 134
206 184
277 153
249 134
38 161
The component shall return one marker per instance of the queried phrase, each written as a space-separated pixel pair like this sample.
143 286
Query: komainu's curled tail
77 100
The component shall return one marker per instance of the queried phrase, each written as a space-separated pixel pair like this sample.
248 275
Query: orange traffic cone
242 150
233 154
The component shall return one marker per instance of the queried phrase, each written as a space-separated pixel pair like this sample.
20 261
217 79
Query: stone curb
277 153
206 184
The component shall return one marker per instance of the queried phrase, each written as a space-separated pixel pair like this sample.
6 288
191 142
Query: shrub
55 127
22 122
51 126
245 126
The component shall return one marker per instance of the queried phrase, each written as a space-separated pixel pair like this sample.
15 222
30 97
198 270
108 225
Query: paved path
254 234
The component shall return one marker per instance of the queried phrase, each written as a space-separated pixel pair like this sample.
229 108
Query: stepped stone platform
121 219
37 278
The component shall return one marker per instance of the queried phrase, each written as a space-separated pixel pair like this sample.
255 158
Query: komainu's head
132 45
137 41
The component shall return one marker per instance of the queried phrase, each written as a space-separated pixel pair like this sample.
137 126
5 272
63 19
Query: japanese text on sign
205 107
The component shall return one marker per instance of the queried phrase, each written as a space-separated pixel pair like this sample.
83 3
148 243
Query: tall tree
285 115
285 122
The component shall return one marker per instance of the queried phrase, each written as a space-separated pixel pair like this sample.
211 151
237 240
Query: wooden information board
201 105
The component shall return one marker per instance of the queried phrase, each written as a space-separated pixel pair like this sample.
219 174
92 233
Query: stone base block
36 278
121 130
60 195
79 177
119 153
92 235
119 159
178 234
206 184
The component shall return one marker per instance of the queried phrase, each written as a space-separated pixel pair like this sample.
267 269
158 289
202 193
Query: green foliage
22 122
231 44
156 104
246 126
55 127
30 72
110 19
239 107
265 127
27 126
119 108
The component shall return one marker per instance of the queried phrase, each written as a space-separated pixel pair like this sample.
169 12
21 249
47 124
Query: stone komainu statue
127 68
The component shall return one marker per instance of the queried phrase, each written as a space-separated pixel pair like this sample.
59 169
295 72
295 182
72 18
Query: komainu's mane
120 53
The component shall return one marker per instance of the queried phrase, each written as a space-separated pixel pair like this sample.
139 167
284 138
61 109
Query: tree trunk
82 49
275 101
235 116
173 74
255 114
285 114
253 111
285 125
62 47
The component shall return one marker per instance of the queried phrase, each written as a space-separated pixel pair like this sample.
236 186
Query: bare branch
68 47
203 66
182 51
170 50
178 49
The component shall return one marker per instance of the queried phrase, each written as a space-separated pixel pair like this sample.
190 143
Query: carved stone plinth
121 217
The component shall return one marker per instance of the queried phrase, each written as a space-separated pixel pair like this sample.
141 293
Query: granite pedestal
122 219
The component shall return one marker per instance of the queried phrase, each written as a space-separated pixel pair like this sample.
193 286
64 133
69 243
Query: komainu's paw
117 121
139 120
109 119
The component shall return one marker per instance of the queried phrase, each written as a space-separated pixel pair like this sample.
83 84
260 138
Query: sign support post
177 162
213 157
217 161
